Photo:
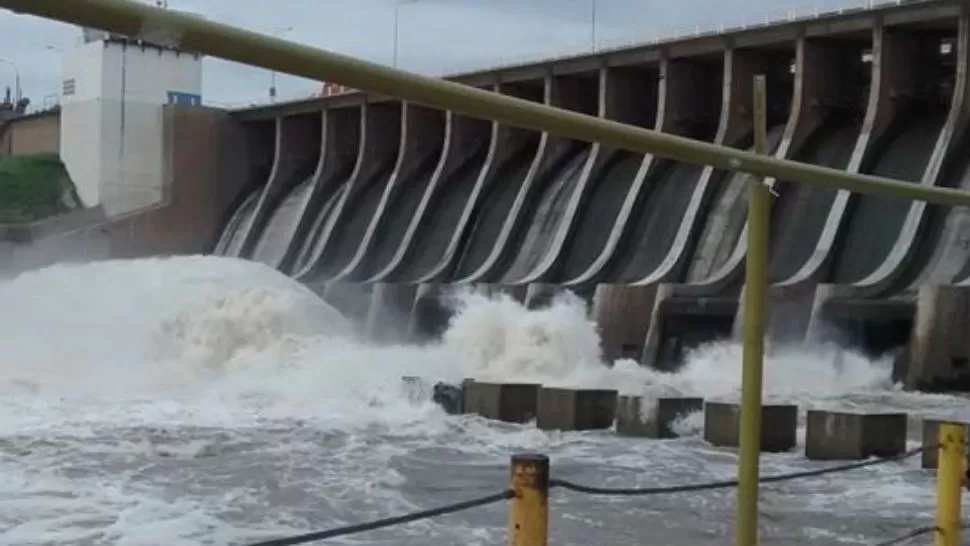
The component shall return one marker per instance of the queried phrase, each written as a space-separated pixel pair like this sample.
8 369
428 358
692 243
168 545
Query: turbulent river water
205 400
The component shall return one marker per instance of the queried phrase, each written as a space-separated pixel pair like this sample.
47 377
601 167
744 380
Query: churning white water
206 400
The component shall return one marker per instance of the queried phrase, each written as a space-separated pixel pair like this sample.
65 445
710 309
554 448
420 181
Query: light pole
397 26
272 73
16 71
592 25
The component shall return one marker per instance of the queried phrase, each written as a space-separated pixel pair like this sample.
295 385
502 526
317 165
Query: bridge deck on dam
373 191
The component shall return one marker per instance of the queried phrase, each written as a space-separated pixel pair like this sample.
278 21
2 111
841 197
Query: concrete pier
340 134
297 152
509 402
722 426
931 442
389 312
840 435
575 409
516 292
431 313
541 295
939 341
653 419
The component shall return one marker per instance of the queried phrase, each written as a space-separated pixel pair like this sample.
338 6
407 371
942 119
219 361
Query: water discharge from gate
212 400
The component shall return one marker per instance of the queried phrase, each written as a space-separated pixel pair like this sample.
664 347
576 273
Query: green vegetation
33 187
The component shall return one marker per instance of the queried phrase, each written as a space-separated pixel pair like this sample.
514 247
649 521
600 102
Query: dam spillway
380 205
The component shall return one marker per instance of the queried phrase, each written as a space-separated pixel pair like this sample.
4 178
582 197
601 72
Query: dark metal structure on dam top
356 194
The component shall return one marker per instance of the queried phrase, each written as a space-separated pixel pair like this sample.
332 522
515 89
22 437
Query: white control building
112 95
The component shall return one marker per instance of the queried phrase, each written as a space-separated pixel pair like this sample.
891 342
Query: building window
68 87
184 99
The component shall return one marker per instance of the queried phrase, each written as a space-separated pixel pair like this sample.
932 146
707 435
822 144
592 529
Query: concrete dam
381 205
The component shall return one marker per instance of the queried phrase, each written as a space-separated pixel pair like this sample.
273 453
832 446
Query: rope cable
387 522
725 484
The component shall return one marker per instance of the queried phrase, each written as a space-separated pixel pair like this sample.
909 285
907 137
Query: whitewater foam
198 399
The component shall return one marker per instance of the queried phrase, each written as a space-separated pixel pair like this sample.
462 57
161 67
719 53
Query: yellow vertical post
529 509
755 288
949 483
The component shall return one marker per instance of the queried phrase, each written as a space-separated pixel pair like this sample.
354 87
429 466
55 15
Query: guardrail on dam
400 199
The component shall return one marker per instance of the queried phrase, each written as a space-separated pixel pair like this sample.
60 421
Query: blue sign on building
185 99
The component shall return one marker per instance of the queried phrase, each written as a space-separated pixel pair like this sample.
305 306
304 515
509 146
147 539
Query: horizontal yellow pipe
192 33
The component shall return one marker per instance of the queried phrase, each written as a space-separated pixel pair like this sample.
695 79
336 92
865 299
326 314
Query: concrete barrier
722 425
575 409
508 402
631 420
839 435
931 441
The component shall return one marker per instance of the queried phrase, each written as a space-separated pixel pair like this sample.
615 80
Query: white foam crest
791 374
221 338
497 338
188 338
100 324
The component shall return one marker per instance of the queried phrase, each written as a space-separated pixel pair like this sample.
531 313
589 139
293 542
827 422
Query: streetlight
592 25
397 25
272 74
16 72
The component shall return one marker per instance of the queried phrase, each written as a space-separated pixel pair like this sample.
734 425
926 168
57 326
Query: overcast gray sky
436 36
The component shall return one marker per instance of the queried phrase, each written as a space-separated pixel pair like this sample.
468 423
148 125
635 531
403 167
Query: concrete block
631 419
575 409
722 425
931 439
508 402
838 435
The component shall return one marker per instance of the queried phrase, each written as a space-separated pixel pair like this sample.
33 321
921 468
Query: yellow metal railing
177 29
950 475
755 293
182 30
530 483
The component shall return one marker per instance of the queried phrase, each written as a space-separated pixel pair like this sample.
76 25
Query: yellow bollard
949 483
529 509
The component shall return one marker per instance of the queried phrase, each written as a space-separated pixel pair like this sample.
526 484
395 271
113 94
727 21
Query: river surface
202 400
